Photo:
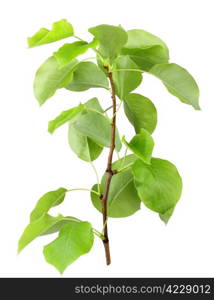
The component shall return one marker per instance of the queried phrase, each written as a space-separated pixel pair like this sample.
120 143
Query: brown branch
109 171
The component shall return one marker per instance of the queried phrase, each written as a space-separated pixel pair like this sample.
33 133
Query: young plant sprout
120 60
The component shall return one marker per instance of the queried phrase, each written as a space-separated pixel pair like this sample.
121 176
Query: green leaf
60 30
68 52
47 201
93 104
159 184
141 145
138 38
57 226
123 200
179 83
141 112
97 127
145 49
125 81
146 58
167 215
37 228
73 241
124 162
87 75
64 117
83 146
49 77
111 39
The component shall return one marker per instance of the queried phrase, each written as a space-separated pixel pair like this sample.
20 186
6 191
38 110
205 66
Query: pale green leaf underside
50 77
123 199
167 215
73 241
48 200
93 104
146 58
87 75
141 112
36 228
159 184
138 38
64 117
111 39
125 81
60 30
141 145
97 127
46 224
179 82
83 146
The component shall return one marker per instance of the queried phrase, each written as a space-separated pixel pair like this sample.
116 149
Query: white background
33 162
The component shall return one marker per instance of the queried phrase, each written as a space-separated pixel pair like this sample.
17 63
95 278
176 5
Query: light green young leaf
60 30
47 201
110 38
49 77
146 58
123 199
97 127
141 145
125 81
64 117
37 228
83 146
159 184
179 83
167 215
138 38
68 52
87 75
73 241
141 112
